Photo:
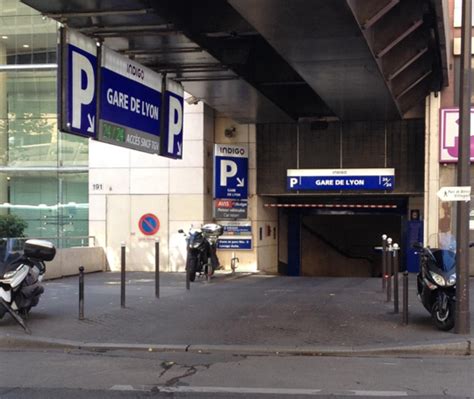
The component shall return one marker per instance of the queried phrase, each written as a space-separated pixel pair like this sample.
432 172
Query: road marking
238 390
122 388
379 393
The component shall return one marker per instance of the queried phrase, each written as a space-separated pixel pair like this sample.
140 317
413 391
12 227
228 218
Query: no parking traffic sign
149 224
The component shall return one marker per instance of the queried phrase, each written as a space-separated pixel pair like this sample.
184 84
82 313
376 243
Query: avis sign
109 97
230 181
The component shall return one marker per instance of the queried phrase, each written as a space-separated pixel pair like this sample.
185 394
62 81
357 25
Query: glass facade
43 173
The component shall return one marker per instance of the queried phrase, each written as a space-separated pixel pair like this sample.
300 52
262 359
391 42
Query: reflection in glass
35 182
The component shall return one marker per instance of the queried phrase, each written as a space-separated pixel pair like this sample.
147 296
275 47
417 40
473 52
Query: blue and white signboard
124 108
172 146
231 164
340 179
234 243
77 84
130 102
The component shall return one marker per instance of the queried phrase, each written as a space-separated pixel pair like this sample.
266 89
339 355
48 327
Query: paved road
118 374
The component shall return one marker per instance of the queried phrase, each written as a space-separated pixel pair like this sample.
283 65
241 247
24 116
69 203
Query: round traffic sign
149 224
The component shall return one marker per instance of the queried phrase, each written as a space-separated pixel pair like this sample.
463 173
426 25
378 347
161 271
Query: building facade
43 173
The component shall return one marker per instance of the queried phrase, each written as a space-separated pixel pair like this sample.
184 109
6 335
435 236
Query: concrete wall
68 260
126 184
264 254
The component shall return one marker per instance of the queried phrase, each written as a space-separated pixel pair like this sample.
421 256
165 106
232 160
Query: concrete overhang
276 60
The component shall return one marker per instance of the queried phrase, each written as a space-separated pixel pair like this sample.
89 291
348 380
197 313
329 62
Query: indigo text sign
77 84
130 102
231 171
340 179
231 165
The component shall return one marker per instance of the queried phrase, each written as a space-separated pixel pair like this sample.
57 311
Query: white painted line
122 388
239 390
380 393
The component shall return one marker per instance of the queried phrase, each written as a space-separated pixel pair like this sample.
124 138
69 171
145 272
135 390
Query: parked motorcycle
436 281
201 254
21 273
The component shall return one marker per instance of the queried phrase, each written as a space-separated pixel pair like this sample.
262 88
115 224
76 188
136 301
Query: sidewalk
241 314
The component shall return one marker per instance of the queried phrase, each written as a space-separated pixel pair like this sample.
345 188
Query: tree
12 226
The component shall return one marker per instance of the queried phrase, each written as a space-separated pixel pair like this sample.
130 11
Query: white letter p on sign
228 170
81 96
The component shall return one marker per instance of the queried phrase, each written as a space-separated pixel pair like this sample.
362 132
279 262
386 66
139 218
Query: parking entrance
337 240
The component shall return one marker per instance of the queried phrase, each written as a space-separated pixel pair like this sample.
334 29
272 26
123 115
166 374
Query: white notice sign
459 193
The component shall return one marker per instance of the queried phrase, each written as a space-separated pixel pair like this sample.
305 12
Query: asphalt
241 314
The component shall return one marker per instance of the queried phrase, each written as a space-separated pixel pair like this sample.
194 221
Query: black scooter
201 254
436 282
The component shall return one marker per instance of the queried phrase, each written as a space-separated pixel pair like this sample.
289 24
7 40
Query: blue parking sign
78 75
231 171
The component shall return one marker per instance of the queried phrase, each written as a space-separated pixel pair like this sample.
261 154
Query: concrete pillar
432 168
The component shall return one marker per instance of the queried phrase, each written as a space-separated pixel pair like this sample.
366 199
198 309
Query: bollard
405 298
384 259
157 268
209 270
396 267
81 293
188 280
122 276
388 270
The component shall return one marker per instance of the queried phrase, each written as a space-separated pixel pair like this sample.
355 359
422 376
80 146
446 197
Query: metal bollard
384 259
405 298
81 293
388 271
396 269
157 268
209 270
122 276
188 280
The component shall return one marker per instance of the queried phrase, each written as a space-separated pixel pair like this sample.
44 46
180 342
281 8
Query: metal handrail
59 239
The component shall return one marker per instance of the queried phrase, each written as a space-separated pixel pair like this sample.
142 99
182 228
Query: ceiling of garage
276 60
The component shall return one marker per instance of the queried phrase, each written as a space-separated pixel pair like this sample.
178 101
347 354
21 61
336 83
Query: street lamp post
462 318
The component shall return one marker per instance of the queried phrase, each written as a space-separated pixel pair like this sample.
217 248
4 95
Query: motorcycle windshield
443 249
445 259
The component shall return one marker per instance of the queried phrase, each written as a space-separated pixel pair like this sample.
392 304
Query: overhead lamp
192 100
4 37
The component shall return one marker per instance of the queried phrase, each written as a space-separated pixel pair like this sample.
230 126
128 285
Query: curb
447 348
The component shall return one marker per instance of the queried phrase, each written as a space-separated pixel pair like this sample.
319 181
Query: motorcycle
201 254
436 281
21 273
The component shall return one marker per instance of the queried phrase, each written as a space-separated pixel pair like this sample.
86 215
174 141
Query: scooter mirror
417 245
471 244
181 231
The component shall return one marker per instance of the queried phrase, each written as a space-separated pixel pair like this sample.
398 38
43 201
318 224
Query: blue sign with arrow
231 171
77 81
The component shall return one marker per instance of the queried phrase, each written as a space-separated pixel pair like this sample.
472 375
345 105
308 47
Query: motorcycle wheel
443 322
191 268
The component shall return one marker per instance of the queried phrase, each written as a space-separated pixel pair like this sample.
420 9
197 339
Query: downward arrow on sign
240 182
91 127
179 149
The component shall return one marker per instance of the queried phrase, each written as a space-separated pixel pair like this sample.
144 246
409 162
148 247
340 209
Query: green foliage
12 226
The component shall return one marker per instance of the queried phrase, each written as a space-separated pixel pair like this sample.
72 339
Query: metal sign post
462 317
